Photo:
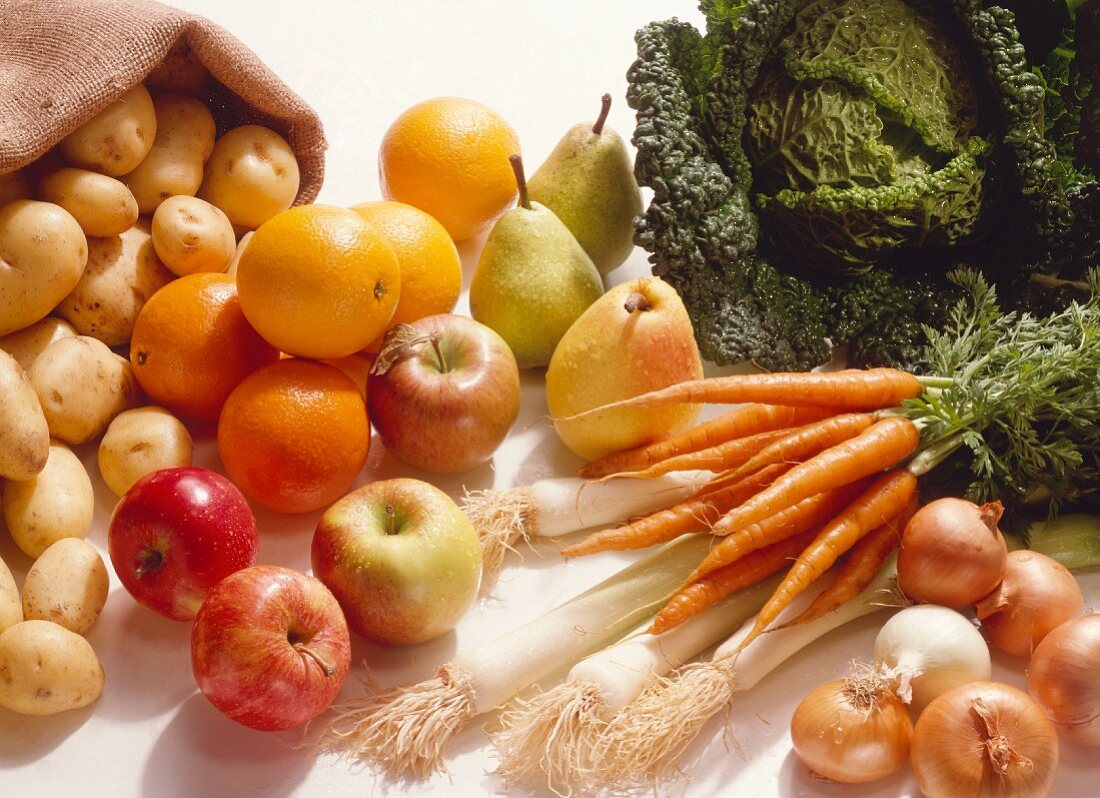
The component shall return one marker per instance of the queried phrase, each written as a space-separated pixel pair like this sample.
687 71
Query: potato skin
46 669
101 205
56 504
122 273
181 72
27 344
68 585
24 431
116 139
184 142
139 442
242 245
82 386
51 251
11 609
190 235
251 175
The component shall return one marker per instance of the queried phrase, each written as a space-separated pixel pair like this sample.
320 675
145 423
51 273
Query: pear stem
444 367
521 181
635 302
605 108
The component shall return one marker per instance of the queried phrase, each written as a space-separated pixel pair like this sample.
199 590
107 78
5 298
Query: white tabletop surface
543 64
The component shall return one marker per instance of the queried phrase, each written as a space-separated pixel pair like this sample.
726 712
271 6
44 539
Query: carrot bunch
809 469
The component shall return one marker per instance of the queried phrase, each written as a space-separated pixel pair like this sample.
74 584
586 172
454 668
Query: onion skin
851 736
982 740
1038 594
952 553
1064 677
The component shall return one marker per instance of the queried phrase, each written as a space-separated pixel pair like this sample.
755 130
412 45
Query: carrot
863 563
807 440
729 454
851 389
716 585
793 520
885 498
737 423
882 445
694 515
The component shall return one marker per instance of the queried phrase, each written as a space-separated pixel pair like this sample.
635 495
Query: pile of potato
140 194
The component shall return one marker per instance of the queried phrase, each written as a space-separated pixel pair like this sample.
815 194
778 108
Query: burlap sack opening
62 61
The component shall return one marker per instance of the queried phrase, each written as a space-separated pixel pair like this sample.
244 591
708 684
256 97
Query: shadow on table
201 752
25 739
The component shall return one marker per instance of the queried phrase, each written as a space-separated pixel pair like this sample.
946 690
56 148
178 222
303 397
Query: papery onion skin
1038 594
952 553
950 755
1064 677
851 735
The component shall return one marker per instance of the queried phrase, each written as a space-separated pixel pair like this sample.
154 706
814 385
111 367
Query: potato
190 235
67 585
11 610
27 344
56 504
13 186
24 432
116 139
242 245
101 205
46 669
123 272
82 386
180 72
252 175
43 252
139 442
185 139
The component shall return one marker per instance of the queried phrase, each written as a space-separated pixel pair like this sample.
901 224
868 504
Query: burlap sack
61 61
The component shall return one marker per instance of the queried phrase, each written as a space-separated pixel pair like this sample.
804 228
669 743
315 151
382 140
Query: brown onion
952 553
852 730
1064 677
1037 595
984 739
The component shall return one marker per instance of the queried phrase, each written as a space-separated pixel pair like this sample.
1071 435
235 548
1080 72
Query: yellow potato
185 139
13 186
116 139
190 235
43 252
46 669
82 386
56 504
27 344
122 273
242 245
11 609
24 433
252 175
101 205
139 442
67 585
180 72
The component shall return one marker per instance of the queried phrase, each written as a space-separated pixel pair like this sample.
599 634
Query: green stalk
1072 539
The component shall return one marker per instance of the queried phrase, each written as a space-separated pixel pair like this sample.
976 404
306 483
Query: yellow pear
635 338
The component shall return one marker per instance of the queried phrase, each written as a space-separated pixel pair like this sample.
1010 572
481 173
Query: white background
543 64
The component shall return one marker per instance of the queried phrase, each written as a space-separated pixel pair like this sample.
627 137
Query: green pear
588 181
533 279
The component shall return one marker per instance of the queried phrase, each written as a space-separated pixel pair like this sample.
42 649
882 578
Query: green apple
401 558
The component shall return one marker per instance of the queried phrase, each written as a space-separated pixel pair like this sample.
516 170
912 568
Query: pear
636 338
588 181
533 279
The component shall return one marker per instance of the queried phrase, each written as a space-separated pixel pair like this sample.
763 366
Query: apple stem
605 108
635 302
521 181
302 648
444 367
149 562
392 518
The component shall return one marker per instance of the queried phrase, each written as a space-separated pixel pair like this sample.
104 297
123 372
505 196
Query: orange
192 345
449 157
294 435
431 271
318 281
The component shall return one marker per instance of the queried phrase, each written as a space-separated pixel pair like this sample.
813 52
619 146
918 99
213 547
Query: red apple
176 534
401 558
270 648
443 393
